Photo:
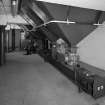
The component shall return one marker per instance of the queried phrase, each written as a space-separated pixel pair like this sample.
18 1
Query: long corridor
28 80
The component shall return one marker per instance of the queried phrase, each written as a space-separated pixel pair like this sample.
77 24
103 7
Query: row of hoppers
62 52
91 83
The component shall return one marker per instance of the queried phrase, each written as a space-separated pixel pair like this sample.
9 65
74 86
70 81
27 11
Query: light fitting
14 2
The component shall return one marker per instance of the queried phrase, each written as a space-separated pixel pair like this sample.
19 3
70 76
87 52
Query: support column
17 39
2 45
13 39
46 43
20 44
10 41
7 41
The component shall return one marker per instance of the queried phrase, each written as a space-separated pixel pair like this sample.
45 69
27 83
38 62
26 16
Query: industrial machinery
67 61
62 53
91 83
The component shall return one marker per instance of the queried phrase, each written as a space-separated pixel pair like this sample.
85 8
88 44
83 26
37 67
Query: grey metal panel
75 33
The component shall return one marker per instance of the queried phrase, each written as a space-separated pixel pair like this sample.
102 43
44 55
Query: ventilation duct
14 7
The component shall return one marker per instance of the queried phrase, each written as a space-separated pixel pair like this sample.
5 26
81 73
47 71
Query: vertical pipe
7 41
10 40
14 7
13 39
2 45
47 44
19 39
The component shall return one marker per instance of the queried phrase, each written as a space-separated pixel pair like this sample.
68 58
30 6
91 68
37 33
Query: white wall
92 48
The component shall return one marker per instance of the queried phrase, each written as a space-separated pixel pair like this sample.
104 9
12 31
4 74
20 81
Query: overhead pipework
63 22
67 21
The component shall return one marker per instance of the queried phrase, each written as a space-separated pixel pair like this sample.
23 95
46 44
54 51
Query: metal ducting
14 7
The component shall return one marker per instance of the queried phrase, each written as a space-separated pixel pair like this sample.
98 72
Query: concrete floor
28 80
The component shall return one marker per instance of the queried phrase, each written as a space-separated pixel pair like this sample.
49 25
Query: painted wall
92 48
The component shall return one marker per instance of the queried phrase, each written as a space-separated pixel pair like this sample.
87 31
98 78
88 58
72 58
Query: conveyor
85 80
